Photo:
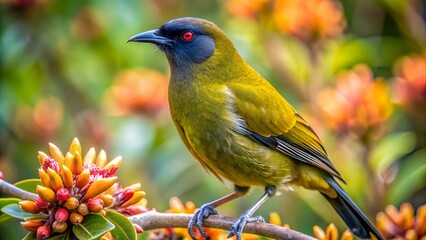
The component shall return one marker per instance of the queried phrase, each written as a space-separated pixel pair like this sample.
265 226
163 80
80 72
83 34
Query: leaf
123 226
93 226
15 211
29 184
4 202
30 236
391 148
410 179
64 236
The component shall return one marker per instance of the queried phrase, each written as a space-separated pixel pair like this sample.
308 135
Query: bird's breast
211 129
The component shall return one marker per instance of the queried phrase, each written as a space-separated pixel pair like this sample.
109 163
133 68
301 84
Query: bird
240 128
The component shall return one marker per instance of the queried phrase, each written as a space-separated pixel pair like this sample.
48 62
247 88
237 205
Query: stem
155 220
12 190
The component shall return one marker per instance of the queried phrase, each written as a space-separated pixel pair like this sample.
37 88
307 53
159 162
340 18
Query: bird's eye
188 36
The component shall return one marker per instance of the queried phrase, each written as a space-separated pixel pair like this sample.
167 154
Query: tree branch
154 220
12 190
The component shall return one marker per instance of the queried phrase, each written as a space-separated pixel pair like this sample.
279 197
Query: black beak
150 37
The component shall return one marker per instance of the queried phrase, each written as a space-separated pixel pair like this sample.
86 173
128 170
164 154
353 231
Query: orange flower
331 233
41 121
402 224
410 86
307 20
357 104
246 8
139 90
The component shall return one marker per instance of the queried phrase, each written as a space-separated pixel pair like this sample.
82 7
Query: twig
12 190
155 220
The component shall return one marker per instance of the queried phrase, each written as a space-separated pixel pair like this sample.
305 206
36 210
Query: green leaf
15 211
411 178
30 236
123 226
93 226
391 148
7 201
29 184
64 236
4 202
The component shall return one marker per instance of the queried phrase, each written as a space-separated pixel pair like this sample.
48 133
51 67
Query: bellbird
237 125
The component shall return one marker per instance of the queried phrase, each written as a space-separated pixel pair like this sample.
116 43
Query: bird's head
189 41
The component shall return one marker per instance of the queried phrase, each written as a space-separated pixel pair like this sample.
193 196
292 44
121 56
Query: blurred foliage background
356 70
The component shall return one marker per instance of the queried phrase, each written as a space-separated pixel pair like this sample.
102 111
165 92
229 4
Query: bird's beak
151 36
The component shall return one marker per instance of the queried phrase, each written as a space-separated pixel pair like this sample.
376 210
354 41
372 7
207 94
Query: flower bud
108 199
61 215
76 218
83 209
62 194
99 186
1 175
32 225
102 159
75 146
42 157
40 203
67 176
137 196
138 228
114 163
59 227
43 232
46 194
44 177
55 179
56 154
133 210
76 164
125 195
95 205
29 206
71 203
68 160
83 178
89 158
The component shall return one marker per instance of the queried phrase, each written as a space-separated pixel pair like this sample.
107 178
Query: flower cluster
358 104
74 186
402 223
306 20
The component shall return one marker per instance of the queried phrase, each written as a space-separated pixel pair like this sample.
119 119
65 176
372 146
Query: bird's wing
272 121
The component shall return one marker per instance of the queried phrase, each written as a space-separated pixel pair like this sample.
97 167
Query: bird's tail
350 213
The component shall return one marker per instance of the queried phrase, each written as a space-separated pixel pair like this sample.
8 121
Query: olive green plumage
238 126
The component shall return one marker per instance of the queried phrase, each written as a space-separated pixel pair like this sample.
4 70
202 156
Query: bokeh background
356 70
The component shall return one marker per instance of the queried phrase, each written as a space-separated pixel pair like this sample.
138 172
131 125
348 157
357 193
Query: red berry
95 205
40 203
62 194
61 215
43 232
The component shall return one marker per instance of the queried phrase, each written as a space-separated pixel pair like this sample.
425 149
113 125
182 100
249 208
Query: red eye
188 36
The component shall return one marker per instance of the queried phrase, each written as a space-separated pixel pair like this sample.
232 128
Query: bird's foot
203 212
238 226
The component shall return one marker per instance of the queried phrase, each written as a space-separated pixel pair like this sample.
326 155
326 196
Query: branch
12 190
154 220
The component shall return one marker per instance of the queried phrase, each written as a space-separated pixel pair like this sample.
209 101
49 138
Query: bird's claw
203 212
238 226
